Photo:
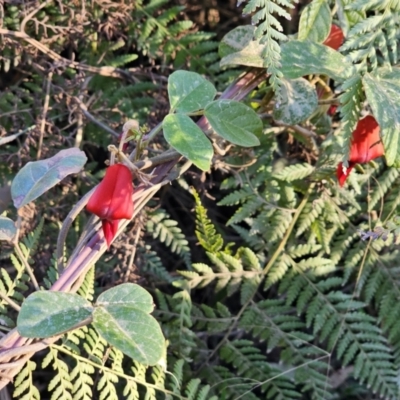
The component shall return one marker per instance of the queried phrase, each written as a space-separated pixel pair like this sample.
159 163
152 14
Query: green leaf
122 318
383 94
305 58
44 314
37 177
188 139
127 295
235 122
315 21
238 47
7 228
294 172
189 91
298 101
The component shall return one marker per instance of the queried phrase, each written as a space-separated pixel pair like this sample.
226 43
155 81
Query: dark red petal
340 173
110 229
112 198
335 38
332 110
366 143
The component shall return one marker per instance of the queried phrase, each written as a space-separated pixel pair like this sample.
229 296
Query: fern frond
375 32
94 345
153 265
60 386
310 213
273 321
250 363
175 312
106 386
277 224
87 288
278 270
360 5
116 357
205 230
211 319
294 172
385 183
318 227
122 60
247 210
254 241
51 273
12 288
81 376
177 373
131 391
236 197
341 321
166 230
23 384
164 35
230 274
184 307
269 31
227 384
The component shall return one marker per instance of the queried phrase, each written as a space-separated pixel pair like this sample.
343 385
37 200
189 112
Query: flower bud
112 199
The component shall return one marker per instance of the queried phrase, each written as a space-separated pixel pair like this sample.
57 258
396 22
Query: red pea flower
366 145
332 110
112 199
335 38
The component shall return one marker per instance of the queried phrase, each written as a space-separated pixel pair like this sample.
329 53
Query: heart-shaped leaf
122 318
189 91
44 314
127 295
188 139
298 101
36 177
235 122
305 58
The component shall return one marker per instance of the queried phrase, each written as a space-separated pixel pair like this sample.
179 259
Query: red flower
335 38
332 110
365 146
112 200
